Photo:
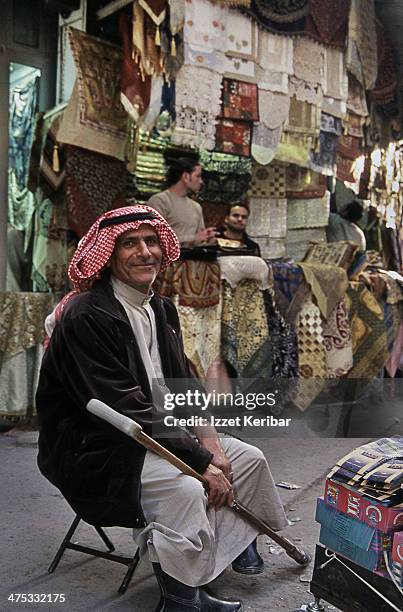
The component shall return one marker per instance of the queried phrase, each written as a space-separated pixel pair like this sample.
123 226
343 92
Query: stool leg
129 574
105 539
63 545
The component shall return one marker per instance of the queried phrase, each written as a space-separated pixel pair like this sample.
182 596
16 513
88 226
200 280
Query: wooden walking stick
134 430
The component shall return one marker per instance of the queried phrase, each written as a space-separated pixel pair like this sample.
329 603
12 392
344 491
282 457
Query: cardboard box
369 511
352 538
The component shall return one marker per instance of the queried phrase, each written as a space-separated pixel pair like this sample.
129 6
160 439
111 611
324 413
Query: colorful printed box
352 538
369 511
397 548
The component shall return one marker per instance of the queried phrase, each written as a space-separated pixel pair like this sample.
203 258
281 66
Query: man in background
183 214
235 229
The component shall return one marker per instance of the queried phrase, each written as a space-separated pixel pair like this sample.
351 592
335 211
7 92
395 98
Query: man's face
193 180
237 218
137 258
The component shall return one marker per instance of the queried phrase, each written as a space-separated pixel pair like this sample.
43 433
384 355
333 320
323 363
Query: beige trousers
192 542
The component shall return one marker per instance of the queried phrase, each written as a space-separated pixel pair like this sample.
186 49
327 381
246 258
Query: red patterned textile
240 100
93 181
233 137
386 82
327 22
349 147
135 88
214 213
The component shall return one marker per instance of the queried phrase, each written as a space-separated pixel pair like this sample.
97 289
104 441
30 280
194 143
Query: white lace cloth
239 267
273 108
265 143
309 60
198 102
304 91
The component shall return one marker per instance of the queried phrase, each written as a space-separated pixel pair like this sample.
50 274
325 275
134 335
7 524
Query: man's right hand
220 491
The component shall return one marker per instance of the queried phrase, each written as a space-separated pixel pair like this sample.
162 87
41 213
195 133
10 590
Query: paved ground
35 518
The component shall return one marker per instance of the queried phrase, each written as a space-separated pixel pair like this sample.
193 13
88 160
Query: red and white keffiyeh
97 245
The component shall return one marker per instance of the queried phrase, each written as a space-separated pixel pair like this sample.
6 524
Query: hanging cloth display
135 87
265 143
23 104
362 56
282 16
95 118
327 22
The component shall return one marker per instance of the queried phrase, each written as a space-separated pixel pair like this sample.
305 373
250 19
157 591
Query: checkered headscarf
96 247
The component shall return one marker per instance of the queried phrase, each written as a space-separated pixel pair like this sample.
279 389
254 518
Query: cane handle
120 421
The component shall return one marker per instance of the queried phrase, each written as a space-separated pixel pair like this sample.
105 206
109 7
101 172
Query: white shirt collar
130 294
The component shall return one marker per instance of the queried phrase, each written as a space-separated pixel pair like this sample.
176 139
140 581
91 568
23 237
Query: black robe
93 353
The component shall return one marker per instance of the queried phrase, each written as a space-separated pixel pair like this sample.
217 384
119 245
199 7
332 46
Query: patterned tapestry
95 118
327 22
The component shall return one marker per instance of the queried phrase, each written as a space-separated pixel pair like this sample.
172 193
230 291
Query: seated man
183 214
234 230
343 225
112 338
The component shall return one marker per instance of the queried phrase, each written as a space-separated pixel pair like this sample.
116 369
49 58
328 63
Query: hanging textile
265 143
273 108
268 217
156 9
309 60
233 137
338 341
22 109
197 283
304 91
303 117
145 43
328 285
214 213
287 280
239 100
312 363
93 182
49 251
282 16
312 212
204 32
268 182
336 83
224 188
356 99
362 58
335 253
47 161
327 22
198 102
386 82
201 334
135 86
368 331
353 125
303 183
244 330
324 160
275 61
21 204
294 148
283 341
95 118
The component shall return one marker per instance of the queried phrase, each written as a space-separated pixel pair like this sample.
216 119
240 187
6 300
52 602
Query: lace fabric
304 91
356 100
264 143
309 60
198 102
268 217
307 213
273 108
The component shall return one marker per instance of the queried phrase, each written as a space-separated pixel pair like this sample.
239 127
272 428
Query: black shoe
178 597
249 562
